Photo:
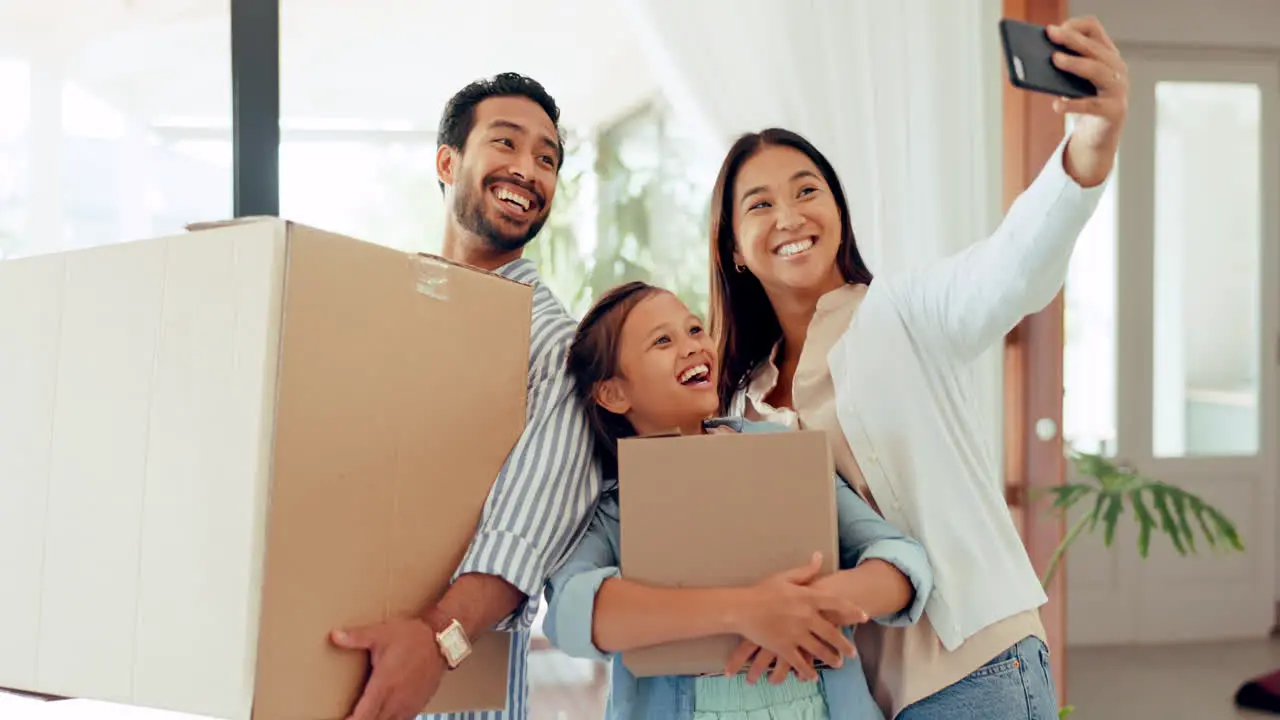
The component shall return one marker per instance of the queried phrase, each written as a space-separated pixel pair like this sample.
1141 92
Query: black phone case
1028 55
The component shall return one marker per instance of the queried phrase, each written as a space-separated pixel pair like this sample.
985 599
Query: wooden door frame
1033 353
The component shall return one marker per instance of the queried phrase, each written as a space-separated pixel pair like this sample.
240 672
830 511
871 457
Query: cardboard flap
427 259
213 224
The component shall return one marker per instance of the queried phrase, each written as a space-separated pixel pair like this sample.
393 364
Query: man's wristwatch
450 636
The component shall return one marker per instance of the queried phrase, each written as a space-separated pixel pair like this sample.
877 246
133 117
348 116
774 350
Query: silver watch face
453 641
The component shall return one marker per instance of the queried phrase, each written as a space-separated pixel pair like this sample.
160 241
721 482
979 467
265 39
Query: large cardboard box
721 510
218 446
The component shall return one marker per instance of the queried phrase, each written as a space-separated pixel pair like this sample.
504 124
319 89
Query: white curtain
903 96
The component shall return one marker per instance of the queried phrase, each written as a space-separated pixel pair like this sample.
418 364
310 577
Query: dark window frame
255 101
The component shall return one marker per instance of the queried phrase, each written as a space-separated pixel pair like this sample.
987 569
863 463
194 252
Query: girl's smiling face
667 369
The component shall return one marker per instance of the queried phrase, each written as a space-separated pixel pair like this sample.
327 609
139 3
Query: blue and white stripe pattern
542 499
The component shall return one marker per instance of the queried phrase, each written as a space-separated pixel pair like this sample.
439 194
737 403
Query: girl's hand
787 617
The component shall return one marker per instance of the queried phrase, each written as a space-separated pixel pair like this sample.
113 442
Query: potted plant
1157 506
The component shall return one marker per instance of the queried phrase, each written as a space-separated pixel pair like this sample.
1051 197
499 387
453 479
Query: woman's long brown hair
742 319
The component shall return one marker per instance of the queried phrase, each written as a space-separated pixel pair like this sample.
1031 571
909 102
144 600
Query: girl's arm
571 590
593 612
884 572
779 613
631 615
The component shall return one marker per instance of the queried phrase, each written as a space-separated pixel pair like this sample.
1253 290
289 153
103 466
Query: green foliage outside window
649 214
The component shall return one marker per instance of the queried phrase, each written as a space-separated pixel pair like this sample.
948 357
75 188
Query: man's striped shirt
544 492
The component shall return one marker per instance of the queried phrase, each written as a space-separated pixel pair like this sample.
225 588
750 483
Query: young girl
642 363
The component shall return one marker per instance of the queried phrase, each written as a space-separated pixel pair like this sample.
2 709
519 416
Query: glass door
1172 346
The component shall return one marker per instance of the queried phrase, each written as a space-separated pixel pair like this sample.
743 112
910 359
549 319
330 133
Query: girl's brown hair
593 358
742 319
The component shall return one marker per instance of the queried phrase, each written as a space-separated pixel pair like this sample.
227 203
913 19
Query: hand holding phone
1078 63
1028 54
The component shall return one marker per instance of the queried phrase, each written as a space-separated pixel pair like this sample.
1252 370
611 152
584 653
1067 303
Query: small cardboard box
216 447
721 510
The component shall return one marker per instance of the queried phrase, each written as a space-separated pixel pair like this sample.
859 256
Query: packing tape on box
432 277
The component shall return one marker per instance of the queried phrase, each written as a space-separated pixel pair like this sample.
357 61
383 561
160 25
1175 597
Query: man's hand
1096 138
407 668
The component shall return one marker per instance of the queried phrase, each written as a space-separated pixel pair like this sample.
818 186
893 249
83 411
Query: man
498 157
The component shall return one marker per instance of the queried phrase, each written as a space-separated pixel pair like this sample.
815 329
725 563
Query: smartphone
1028 54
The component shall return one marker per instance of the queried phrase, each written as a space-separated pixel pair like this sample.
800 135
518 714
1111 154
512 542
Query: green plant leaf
1180 513
1092 466
1199 510
1097 510
1066 496
1146 521
1167 525
1115 507
1225 528
1171 504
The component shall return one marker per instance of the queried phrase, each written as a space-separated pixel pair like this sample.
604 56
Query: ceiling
389 63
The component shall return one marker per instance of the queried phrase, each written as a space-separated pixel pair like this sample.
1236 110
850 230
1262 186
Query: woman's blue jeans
1015 685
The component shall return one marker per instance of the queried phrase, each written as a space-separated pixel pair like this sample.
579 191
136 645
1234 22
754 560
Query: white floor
1171 682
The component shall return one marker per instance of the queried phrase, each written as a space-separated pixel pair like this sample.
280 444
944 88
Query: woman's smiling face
786 222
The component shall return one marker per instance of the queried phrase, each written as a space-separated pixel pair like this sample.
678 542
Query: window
1208 242
117 125
83 158
1089 345
637 200
358 121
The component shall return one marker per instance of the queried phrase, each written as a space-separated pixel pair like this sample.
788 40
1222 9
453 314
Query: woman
808 340
641 362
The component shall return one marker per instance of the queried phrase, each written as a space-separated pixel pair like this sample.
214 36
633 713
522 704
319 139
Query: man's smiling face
505 178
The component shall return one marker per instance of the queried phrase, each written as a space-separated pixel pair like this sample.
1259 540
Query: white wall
1224 23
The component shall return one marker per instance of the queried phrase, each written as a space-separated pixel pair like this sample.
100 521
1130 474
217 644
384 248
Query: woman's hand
836 585
761 661
786 616
1092 149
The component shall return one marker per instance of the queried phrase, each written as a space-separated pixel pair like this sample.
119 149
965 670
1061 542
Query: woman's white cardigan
904 401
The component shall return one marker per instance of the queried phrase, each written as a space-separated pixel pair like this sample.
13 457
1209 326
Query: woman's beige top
903 665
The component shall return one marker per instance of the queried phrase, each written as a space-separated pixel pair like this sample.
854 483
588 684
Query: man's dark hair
459 116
